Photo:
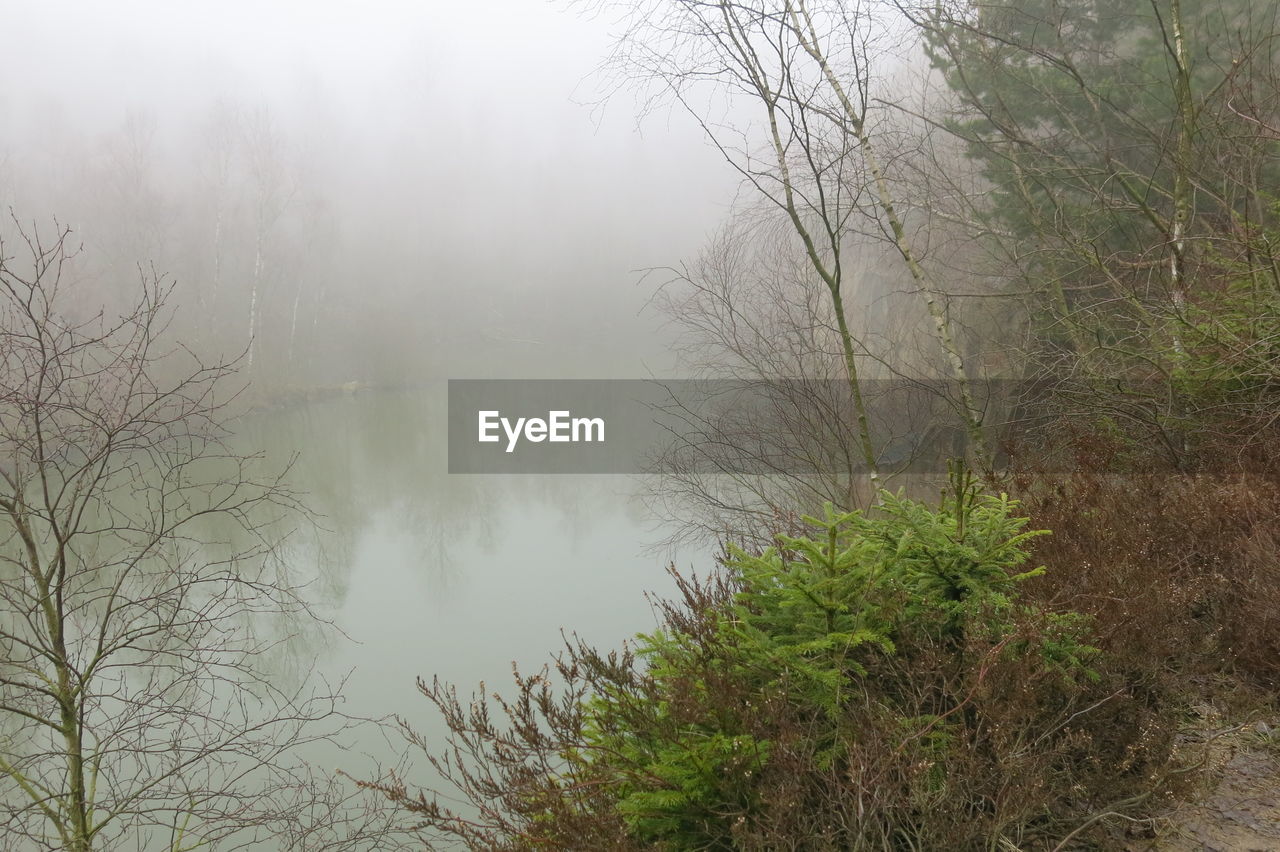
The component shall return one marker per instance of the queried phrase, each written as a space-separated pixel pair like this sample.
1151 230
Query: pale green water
456 576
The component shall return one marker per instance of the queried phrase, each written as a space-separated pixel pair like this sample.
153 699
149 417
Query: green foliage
692 777
883 681
823 632
1232 351
819 608
1069 108
1128 196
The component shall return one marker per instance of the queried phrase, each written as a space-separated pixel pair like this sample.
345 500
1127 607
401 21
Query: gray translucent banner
738 427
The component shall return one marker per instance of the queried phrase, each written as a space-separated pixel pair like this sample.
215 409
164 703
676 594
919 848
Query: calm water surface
457 576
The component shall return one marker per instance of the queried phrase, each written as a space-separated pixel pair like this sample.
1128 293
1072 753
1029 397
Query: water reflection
457 576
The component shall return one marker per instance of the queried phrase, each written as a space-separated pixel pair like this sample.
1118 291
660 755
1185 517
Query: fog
223 612
374 200
387 196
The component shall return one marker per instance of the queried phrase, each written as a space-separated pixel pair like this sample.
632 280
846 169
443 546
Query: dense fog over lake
359 203
639 424
395 193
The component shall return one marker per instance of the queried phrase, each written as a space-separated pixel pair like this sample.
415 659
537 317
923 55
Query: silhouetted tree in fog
142 600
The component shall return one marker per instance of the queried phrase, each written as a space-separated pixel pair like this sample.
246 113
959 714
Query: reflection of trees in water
578 500
384 454
375 463
360 457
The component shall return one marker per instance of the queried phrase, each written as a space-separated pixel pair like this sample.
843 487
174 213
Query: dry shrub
1021 758
1180 570
848 690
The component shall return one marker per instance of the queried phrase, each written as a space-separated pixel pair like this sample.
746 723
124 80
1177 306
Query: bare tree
751 323
144 610
806 70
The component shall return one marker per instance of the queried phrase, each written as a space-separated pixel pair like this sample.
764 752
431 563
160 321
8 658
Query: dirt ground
1239 810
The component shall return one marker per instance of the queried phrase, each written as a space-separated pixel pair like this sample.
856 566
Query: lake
428 573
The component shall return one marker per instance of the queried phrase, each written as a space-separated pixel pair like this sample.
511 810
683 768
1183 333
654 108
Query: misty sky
454 145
